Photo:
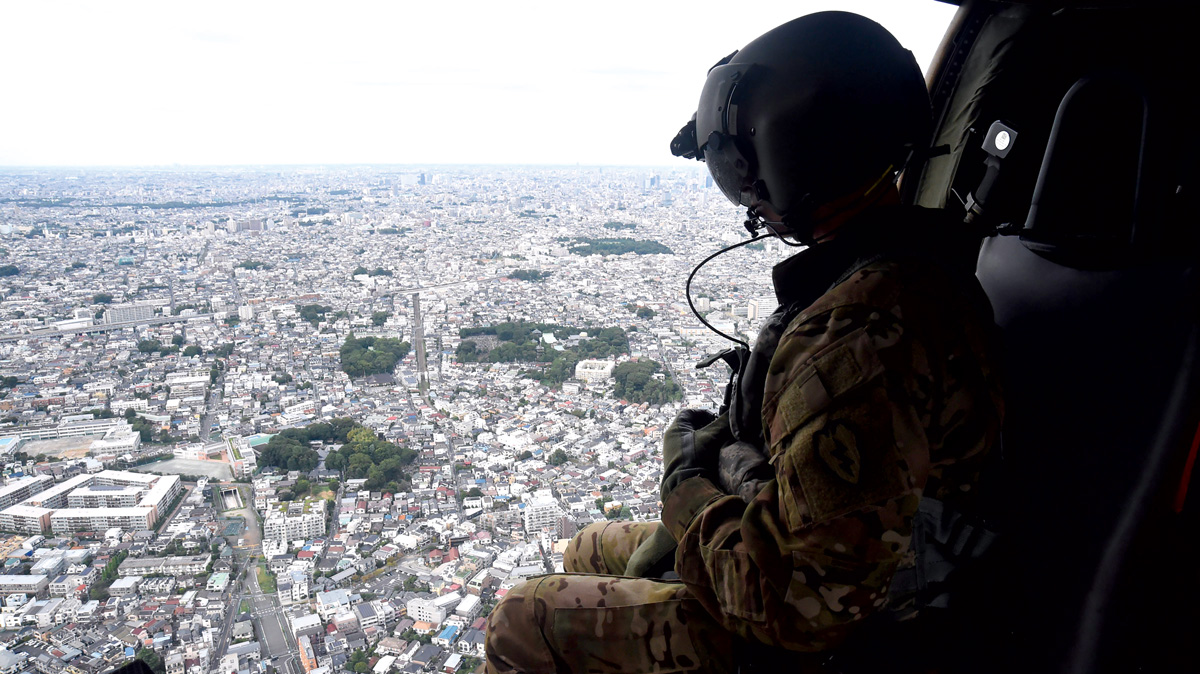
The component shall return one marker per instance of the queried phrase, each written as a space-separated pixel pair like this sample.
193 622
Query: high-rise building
542 514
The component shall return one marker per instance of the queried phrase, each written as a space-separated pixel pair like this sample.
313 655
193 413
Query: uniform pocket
736 583
650 637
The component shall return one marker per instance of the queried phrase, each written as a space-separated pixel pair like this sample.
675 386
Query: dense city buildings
321 420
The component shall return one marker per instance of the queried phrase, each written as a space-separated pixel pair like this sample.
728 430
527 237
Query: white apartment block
591 370
19 490
73 429
25 519
426 610
31 585
542 514
71 520
104 496
167 566
300 591
282 526
125 313
93 502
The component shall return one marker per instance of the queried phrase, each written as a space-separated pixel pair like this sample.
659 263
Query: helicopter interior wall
1016 64
1103 388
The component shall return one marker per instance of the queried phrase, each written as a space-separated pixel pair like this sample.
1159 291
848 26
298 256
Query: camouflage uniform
880 391
603 622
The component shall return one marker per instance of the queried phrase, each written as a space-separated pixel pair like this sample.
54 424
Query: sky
432 82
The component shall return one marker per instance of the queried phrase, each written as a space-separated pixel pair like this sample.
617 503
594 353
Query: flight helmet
808 113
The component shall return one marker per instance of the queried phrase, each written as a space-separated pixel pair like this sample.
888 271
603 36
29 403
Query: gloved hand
691 446
655 557
743 469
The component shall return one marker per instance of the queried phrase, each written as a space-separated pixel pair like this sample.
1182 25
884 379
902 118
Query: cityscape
320 419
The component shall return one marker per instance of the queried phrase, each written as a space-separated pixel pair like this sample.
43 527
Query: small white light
1002 140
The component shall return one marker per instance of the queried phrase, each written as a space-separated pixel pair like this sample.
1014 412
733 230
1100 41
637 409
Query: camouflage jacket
882 390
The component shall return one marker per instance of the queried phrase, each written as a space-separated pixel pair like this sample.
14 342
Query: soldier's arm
815 551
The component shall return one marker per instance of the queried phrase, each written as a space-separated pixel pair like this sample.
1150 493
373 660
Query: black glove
691 446
743 470
655 557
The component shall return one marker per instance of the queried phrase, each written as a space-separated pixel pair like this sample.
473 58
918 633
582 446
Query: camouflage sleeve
848 402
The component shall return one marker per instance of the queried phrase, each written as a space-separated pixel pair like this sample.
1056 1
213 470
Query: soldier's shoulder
872 289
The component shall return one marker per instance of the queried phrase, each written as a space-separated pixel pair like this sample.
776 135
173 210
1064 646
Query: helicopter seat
1096 299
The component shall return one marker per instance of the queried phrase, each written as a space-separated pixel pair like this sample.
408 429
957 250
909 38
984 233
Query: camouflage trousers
593 620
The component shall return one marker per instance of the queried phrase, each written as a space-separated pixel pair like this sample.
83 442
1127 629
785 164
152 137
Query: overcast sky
432 82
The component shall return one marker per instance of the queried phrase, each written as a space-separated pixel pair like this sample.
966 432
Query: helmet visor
716 131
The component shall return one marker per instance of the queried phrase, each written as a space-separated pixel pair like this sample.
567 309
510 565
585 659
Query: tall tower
419 343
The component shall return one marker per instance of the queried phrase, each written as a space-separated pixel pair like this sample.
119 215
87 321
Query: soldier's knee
513 641
584 551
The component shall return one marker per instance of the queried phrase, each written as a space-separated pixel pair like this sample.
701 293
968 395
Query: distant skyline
224 84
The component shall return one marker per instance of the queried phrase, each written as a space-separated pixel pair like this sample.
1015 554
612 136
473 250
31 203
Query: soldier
870 388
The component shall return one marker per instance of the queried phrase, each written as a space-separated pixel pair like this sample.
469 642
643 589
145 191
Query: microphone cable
687 288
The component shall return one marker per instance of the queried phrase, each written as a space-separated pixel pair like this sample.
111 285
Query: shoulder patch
837 445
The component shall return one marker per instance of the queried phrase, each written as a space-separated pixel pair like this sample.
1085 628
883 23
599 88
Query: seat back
1100 330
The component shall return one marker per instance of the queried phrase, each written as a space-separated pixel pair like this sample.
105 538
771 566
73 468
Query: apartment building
21 489
25 519
282 526
31 585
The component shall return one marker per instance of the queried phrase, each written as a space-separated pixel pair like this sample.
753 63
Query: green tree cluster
193 350
102 298
371 355
313 313
622 513
290 449
99 589
380 462
411 584
152 660
411 635
519 345
529 275
514 332
253 264
378 318
613 224
149 345
558 458
9 270
588 246
635 382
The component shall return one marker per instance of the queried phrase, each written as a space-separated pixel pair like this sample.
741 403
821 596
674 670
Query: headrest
1088 202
